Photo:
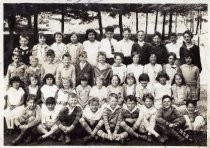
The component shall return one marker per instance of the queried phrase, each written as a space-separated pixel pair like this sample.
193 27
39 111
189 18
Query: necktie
112 47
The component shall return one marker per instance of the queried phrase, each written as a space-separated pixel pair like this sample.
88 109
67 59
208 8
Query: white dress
137 70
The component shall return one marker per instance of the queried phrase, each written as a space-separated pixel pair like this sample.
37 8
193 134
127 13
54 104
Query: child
49 89
91 119
161 88
49 120
69 117
135 67
50 66
141 47
130 113
63 94
116 88
74 48
58 47
39 50
34 88
83 91
180 92
16 68
14 103
143 88
118 67
159 49
109 44
168 119
23 49
91 46
66 70
33 69
192 77
29 118
129 88
99 90
152 68
170 68
103 69
112 117
125 45
83 67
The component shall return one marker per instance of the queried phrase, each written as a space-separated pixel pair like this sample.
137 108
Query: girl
135 67
116 88
14 103
49 89
34 88
170 68
91 46
58 47
23 49
143 88
74 48
112 117
118 67
39 50
99 90
152 68
129 88
161 88
83 91
168 119
103 69
192 77
63 94
180 92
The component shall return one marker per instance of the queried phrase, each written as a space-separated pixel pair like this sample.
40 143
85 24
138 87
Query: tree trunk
35 26
29 22
146 25
11 23
137 22
176 23
100 23
170 24
191 22
163 27
198 22
62 20
120 23
156 20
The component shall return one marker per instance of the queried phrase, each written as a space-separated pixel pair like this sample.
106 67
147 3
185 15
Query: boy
91 119
109 44
28 120
69 117
65 70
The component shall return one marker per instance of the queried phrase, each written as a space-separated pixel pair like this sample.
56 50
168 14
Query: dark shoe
149 138
122 141
28 140
87 139
96 138
176 134
40 140
67 139
61 138
127 139
143 137
162 139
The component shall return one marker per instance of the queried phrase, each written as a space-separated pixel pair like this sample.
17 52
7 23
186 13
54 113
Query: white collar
112 110
126 108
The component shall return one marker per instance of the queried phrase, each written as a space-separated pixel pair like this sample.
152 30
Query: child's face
91 36
171 60
187 38
173 39
99 82
49 81
66 61
74 38
118 60
50 107
191 107
140 36
144 83
84 83
188 60
42 40
178 80
101 59
148 103
156 40
115 81
166 103
130 81
136 59
34 62
58 38
153 59
66 84
16 58
83 59
72 102
23 42
31 104
126 35
109 34
33 80
113 102
162 80
50 59
130 104
16 84
94 106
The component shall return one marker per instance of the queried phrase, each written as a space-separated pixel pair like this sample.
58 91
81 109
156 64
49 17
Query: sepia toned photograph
97 74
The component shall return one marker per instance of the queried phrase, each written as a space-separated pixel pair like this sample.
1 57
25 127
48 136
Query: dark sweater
161 52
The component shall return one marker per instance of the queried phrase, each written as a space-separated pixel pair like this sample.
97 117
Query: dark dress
161 52
25 54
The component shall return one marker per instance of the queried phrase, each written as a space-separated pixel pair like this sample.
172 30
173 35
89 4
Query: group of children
113 90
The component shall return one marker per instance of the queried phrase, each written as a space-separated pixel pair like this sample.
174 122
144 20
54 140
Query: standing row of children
73 77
